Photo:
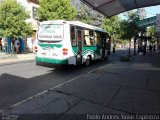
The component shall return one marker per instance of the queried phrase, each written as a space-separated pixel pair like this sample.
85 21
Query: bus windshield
50 32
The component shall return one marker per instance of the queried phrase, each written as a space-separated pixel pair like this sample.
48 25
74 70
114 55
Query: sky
151 11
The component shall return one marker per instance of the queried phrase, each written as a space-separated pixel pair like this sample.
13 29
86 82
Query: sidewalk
116 89
15 58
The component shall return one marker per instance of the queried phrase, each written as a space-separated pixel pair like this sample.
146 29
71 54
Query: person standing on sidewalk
144 47
4 44
0 44
154 47
17 45
150 48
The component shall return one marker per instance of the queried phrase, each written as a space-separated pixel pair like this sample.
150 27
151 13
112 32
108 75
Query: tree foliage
125 29
129 27
151 33
86 14
111 25
56 10
12 19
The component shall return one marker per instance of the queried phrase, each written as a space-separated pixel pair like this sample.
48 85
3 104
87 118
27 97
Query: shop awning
113 7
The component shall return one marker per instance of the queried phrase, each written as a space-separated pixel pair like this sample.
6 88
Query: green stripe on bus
74 50
89 47
50 45
49 60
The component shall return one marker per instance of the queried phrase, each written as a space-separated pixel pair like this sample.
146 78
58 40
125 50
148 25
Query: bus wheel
88 61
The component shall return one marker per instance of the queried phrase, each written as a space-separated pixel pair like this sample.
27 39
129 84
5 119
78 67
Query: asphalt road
22 80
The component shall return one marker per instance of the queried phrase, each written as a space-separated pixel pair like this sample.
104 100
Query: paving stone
117 67
146 66
137 101
47 98
51 102
93 76
102 93
154 81
125 79
77 88
60 105
25 108
85 107
56 107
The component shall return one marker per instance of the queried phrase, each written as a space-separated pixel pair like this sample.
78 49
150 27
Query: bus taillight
35 50
65 51
36 47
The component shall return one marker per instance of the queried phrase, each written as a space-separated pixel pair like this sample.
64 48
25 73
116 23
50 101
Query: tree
111 25
151 33
56 10
12 19
130 28
86 14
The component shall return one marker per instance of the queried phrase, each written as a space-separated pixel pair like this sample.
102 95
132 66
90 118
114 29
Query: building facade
31 7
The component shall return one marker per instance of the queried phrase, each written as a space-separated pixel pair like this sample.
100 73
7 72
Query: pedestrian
144 50
144 47
4 44
12 45
150 48
0 44
139 48
114 47
109 45
154 47
17 45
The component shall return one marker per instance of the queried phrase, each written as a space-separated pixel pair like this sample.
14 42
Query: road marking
96 69
45 91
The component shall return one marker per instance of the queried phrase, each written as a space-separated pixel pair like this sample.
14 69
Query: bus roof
77 23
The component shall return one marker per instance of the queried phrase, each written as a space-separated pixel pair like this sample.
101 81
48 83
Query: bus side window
92 38
86 38
92 42
73 36
89 39
97 38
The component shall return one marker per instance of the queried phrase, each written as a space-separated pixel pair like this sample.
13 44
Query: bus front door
79 46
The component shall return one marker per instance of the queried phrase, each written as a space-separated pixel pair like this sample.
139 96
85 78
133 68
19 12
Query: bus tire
88 61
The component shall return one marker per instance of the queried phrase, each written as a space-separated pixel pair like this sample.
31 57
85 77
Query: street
109 87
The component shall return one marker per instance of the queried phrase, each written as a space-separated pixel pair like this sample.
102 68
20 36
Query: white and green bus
62 42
